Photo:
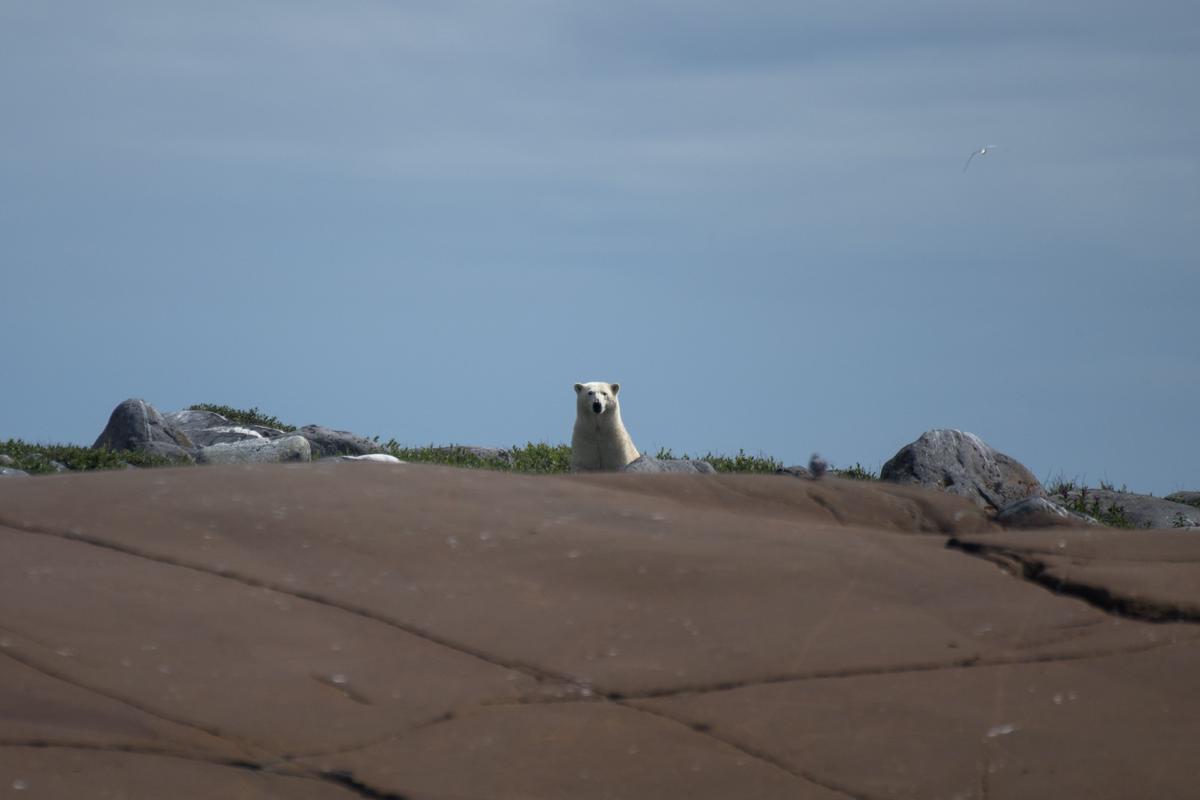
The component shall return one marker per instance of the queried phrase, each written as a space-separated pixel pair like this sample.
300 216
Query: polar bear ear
616 387
578 388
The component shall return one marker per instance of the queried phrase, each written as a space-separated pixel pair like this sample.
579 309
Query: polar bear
600 441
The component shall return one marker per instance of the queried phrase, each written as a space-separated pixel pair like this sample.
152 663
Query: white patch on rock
382 458
238 429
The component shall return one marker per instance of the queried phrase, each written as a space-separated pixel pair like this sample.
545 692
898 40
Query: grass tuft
738 463
38 459
251 416
858 473
1076 499
541 458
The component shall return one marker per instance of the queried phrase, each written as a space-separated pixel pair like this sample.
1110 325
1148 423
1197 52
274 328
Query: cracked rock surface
406 631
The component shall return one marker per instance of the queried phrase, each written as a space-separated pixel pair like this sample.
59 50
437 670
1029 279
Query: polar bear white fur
600 441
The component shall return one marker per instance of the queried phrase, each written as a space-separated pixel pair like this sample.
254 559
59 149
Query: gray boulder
1188 498
6 460
648 464
205 428
257 451
329 442
961 463
1038 512
136 425
10 472
1139 510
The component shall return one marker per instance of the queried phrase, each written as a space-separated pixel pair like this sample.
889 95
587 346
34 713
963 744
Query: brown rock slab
236 661
40 704
1117 726
68 772
1152 575
415 631
581 750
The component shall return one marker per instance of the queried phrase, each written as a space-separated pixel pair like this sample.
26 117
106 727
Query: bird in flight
983 151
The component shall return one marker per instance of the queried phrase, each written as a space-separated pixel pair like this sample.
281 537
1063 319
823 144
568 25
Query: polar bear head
596 397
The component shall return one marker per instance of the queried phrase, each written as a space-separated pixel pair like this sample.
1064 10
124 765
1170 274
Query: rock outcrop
257 451
1136 510
1188 498
961 463
1038 512
211 438
136 425
206 428
686 466
328 442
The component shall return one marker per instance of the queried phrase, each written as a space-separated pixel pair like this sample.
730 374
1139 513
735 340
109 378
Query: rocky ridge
951 461
206 437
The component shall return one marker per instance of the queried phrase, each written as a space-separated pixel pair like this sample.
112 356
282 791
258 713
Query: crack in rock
1106 600
707 731
347 780
342 778
529 670
209 730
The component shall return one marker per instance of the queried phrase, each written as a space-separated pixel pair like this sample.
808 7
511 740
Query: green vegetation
858 472
1075 498
37 459
1060 486
743 463
542 458
447 456
532 458
244 417
739 463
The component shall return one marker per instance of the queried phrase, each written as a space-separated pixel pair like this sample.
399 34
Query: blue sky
428 220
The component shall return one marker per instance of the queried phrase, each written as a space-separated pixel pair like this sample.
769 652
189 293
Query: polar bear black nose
596 406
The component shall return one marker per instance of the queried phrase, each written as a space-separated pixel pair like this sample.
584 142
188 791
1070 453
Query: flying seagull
983 151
